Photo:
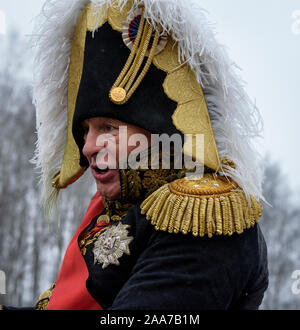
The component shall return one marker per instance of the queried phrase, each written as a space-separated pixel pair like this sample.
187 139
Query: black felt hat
105 56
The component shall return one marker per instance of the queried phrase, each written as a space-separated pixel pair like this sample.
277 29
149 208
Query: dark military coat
180 272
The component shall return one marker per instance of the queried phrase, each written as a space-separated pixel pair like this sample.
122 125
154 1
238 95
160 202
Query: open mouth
98 170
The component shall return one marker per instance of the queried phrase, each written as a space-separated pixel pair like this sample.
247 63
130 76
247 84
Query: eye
109 128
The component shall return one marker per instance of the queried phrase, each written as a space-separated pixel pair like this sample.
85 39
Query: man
152 237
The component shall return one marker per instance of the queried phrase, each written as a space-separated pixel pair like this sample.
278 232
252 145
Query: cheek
130 149
122 141
138 145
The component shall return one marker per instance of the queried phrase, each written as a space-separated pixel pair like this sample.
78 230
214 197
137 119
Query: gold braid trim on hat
214 205
127 83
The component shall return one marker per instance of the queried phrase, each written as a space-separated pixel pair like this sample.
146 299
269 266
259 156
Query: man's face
107 178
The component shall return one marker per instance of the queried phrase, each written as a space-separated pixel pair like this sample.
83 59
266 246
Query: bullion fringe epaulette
214 205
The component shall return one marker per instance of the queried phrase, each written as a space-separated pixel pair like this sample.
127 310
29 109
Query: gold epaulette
214 205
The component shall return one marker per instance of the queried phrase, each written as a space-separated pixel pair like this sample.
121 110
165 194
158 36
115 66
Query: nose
90 147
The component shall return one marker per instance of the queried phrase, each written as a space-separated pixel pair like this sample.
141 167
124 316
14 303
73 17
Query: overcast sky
263 38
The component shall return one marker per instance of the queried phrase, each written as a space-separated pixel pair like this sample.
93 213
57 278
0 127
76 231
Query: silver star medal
111 245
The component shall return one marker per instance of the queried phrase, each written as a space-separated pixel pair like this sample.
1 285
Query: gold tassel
202 213
187 218
176 207
210 206
218 214
196 217
128 82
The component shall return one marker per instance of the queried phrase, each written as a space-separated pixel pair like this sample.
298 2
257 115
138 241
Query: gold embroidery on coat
44 298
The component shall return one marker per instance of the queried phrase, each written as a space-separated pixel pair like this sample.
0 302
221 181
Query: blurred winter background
263 38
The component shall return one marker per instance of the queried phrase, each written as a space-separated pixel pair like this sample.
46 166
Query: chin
109 191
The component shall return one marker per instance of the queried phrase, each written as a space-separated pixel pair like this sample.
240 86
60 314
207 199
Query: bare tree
281 227
31 249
